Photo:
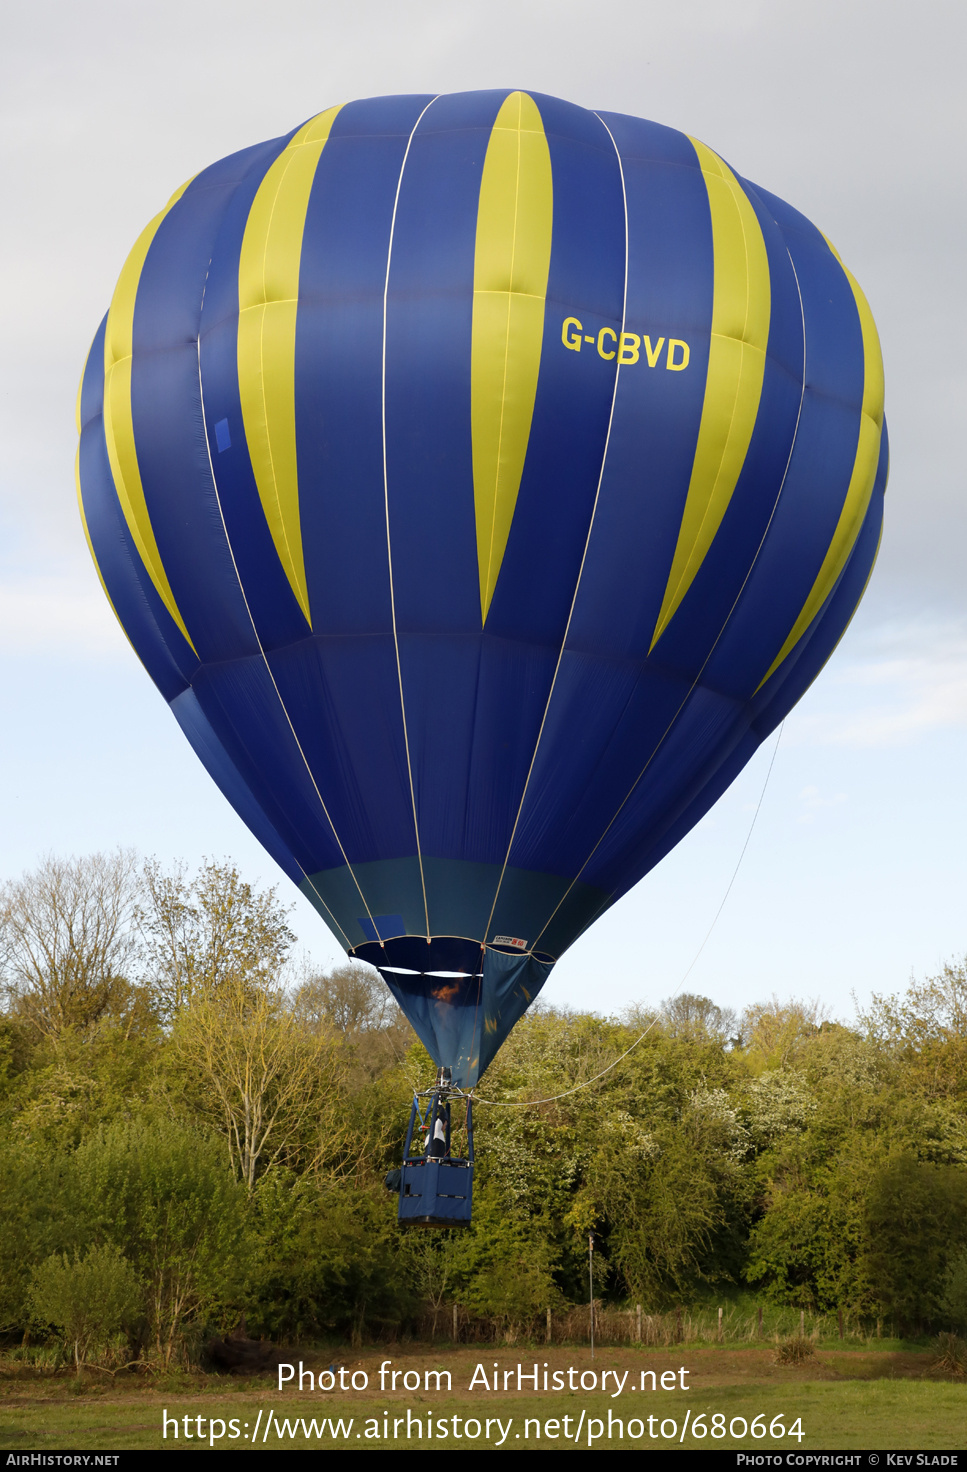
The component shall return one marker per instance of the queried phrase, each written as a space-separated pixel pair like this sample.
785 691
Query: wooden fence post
678 1326
759 1326
547 1337
841 1323
639 1324
454 1323
802 1323
720 1323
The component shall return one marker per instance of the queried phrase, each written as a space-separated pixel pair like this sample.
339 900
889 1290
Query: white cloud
903 682
57 615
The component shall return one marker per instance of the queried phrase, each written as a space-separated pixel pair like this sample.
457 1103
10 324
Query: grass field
840 1400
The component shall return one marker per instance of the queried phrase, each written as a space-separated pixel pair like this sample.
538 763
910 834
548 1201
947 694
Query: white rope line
389 540
532 1103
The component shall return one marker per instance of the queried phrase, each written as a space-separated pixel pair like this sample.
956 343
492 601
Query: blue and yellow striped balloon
480 479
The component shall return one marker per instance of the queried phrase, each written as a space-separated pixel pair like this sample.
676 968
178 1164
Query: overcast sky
855 875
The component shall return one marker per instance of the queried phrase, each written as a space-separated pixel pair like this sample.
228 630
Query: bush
32 1192
502 1269
165 1195
954 1300
330 1257
794 1351
951 1354
90 1300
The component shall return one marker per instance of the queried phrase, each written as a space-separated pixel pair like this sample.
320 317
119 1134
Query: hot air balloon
480 479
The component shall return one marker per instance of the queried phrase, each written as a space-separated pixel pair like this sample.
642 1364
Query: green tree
927 1029
502 1268
665 1197
203 933
272 1088
355 1002
34 1212
77 1081
66 943
647 1154
774 1032
690 1016
916 1227
162 1193
330 1257
806 1247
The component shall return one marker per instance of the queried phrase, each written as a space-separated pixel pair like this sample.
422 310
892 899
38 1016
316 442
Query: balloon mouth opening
442 964
407 971
443 956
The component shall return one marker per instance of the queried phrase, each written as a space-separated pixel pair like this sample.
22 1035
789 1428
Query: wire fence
709 1324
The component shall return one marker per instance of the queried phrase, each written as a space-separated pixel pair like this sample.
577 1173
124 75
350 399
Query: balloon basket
436 1185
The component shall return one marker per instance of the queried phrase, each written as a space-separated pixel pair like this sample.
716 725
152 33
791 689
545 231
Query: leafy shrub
165 1195
954 1300
330 1257
502 1269
90 1299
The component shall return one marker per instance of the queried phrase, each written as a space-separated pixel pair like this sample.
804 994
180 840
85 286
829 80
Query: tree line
195 1133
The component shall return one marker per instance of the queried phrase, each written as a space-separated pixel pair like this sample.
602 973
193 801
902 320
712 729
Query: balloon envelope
480 479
